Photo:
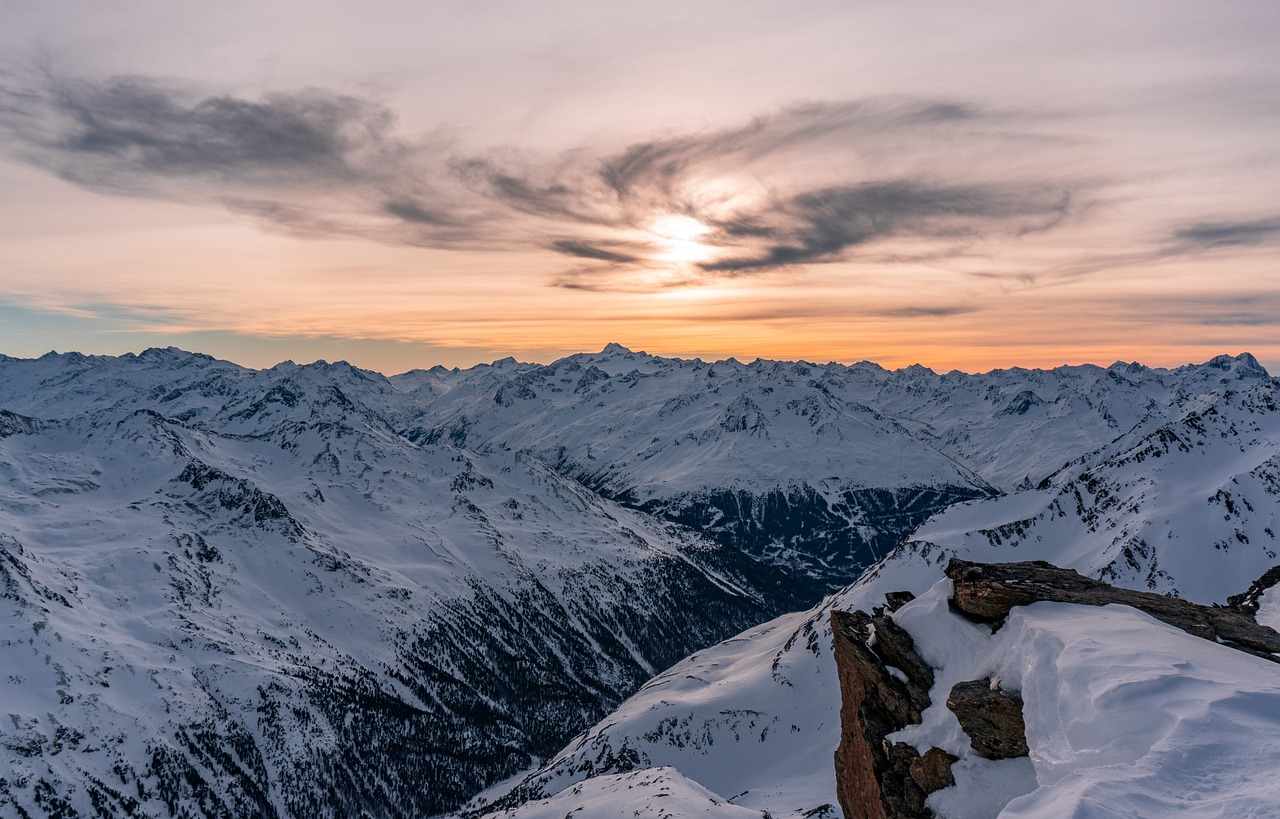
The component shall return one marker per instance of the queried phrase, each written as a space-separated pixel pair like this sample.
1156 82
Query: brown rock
876 779
932 772
987 591
896 600
992 718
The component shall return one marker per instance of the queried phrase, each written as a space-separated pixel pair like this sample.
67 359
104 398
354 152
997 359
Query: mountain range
319 591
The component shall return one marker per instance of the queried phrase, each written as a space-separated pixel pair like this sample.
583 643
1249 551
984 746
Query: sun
679 236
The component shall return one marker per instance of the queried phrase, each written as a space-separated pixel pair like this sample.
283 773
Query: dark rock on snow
876 780
992 718
987 591
884 683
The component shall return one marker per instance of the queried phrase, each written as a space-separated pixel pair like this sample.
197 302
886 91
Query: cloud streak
821 225
132 135
317 163
1222 234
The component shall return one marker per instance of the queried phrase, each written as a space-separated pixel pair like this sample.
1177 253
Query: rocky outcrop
1251 598
991 717
884 686
987 591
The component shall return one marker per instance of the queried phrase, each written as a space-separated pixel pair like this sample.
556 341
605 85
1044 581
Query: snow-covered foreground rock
1125 716
1184 506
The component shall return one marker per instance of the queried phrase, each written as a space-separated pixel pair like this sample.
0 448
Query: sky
402 184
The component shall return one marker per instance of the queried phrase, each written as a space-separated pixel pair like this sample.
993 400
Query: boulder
991 717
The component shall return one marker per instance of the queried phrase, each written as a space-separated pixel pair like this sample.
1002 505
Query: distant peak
864 364
613 348
159 353
1131 368
1247 361
323 364
1244 363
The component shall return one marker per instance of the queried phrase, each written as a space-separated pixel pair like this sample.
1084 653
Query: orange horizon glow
962 203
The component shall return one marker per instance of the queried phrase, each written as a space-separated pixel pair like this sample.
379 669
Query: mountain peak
1243 364
613 348
1129 367
169 353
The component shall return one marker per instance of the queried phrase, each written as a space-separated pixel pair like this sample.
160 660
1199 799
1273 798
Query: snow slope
277 606
1185 506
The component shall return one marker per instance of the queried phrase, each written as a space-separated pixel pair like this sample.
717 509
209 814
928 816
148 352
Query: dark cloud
927 312
132 135
820 225
411 211
584 250
658 166
1211 235
825 179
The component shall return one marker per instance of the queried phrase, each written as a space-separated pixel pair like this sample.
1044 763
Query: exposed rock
991 717
874 779
1249 600
896 600
932 772
987 591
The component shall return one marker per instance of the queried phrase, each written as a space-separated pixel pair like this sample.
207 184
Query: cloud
660 166
130 135
410 211
806 185
584 250
1213 235
820 225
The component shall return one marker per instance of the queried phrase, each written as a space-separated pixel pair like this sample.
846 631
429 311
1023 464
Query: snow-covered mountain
268 603
816 469
1183 506
315 590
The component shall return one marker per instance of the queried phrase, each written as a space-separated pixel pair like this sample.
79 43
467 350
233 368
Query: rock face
884 686
1250 599
992 718
987 591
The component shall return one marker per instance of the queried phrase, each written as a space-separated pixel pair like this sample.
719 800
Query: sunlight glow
679 237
